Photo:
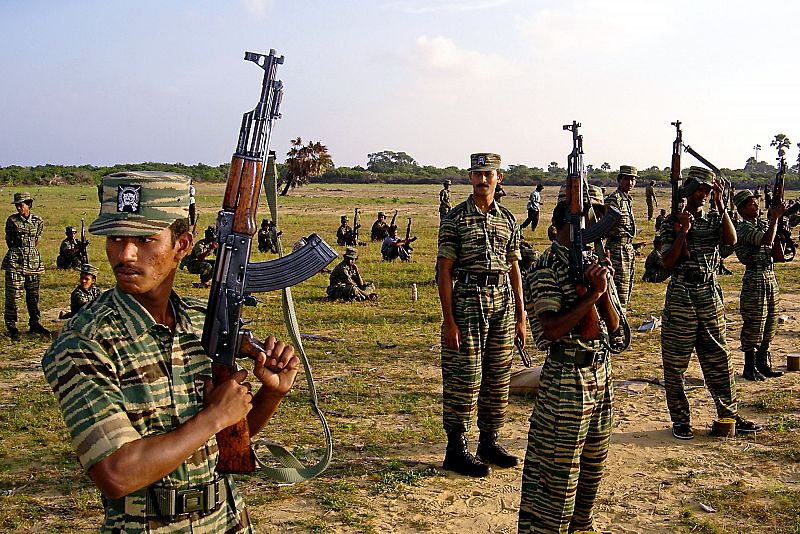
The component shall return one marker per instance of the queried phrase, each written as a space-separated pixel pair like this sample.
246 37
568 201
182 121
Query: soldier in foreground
198 261
480 289
620 240
694 316
379 228
444 199
346 282
85 292
133 380
571 422
758 301
23 265
70 253
650 199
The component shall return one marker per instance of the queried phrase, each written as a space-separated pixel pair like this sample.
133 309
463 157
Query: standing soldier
571 422
483 313
650 198
23 265
534 204
70 252
197 261
379 228
85 292
694 315
758 301
444 199
619 240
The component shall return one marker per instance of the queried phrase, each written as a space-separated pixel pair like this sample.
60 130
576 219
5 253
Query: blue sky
103 82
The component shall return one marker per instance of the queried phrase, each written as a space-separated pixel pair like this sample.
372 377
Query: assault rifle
675 176
409 239
82 247
784 247
234 278
356 227
580 253
394 218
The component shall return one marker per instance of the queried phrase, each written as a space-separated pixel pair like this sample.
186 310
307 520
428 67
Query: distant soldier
71 253
660 219
198 262
345 235
346 282
654 266
192 207
499 193
23 265
85 292
394 247
268 237
758 301
767 196
650 198
620 239
694 314
444 199
534 205
379 228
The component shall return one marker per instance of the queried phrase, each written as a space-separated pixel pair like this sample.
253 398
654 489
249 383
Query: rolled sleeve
546 293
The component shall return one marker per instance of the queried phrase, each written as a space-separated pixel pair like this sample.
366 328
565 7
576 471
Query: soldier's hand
776 212
276 367
452 336
683 222
608 264
230 400
597 278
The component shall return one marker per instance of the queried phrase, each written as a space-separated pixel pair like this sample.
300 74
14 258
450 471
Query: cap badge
128 198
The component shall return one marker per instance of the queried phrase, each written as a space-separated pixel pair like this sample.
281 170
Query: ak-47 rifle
235 279
394 218
408 238
356 227
675 176
784 247
580 252
83 245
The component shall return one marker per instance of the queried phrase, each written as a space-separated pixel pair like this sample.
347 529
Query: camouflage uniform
619 243
120 376
379 229
654 270
479 243
650 199
444 201
23 266
694 318
69 256
81 297
344 235
344 281
758 301
195 265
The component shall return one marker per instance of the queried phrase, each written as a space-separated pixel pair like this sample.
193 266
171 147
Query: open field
384 404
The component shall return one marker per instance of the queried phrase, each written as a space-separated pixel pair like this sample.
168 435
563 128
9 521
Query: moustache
126 269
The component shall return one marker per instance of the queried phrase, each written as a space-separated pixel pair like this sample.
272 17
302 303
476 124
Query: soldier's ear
183 245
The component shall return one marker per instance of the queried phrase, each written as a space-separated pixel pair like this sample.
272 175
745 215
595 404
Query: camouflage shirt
478 241
704 240
626 227
81 297
344 274
379 230
21 235
200 248
749 250
444 198
120 376
548 287
68 254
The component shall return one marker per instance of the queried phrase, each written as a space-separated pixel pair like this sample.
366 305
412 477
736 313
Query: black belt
481 279
173 502
693 277
615 239
577 357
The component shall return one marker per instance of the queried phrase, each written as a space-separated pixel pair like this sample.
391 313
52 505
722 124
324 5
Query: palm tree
781 142
304 162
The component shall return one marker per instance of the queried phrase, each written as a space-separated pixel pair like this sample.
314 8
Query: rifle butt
235 453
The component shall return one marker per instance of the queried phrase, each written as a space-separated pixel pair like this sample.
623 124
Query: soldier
133 381
85 292
619 241
345 236
71 252
394 247
23 265
483 313
653 266
572 419
660 219
758 301
444 199
346 282
268 237
534 205
694 315
379 228
499 193
192 207
650 198
197 261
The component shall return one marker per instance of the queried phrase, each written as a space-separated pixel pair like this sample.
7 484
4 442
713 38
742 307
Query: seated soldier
268 237
346 282
197 263
345 235
71 251
84 293
660 219
393 247
379 228
654 270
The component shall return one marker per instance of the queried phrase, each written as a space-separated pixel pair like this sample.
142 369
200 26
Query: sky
102 82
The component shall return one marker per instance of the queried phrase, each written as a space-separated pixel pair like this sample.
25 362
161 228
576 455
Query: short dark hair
178 228
560 215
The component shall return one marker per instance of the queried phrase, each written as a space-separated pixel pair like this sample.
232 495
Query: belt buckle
190 501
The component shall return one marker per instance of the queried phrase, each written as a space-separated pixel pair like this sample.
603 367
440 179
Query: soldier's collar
138 320
472 207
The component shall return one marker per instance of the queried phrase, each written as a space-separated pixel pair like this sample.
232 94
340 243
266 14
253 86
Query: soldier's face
23 209
86 281
146 265
749 209
626 183
484 183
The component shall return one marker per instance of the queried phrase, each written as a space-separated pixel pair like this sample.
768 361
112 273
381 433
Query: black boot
37 328
750 371
459 459
764 364
13 333
492 452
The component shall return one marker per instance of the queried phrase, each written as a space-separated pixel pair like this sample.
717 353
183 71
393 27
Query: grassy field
381 389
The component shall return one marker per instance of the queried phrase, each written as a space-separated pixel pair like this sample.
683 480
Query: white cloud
416 7
258 8
440 57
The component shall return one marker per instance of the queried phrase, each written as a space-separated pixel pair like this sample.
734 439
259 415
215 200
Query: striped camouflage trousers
694 318
623 260
15 284
758 304
567 448
479 373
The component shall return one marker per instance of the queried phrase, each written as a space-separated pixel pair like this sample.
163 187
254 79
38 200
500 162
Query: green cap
88 268
70 230
351 252
595 195
138 203
741 196
628 170
343 218
381 214
697 177
447 182
19 198
484 161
